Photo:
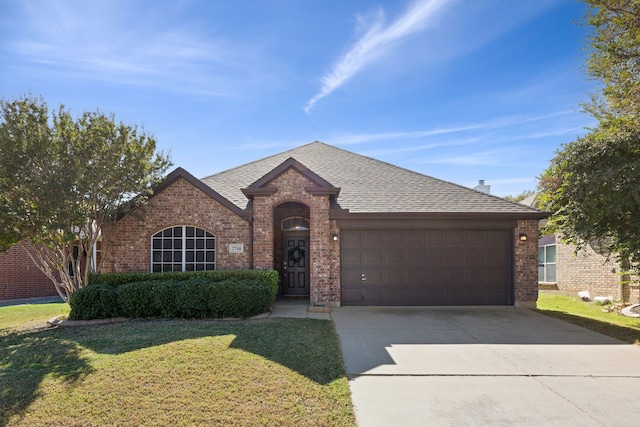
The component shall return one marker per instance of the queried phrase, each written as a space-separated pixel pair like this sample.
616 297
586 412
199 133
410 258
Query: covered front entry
292 248
426 267
295 253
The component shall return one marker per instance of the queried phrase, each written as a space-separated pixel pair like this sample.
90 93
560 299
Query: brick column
526 264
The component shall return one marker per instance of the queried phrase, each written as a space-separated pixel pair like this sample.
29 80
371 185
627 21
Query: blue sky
460 90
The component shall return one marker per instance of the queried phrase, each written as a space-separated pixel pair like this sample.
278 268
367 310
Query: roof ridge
260 160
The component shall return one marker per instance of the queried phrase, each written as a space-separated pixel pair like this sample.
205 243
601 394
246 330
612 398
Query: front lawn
177 372
590 315
30 316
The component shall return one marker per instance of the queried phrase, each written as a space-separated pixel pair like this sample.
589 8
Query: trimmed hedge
270 277
210 294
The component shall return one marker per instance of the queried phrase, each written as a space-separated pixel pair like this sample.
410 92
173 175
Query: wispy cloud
349 139
376 40
97 41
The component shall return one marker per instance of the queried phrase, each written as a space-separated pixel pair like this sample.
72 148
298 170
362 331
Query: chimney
481 187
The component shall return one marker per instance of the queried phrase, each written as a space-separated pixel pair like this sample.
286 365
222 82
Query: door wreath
296 254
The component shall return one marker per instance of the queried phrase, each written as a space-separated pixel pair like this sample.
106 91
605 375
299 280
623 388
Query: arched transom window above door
183 248
294 223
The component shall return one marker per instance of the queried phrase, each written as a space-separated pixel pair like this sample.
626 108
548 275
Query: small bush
94 302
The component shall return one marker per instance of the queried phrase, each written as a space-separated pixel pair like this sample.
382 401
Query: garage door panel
417 239
456 238
426 267
373 257
396 297
395 239
374 296
496 238
453 258
373 277
476 238
414 277
352 257
394 257
393 276
435 259
435 238
352 295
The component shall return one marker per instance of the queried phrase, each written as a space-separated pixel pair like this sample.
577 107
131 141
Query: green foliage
614 60
270 277
63 179
592 189
592 186
94 302
183 295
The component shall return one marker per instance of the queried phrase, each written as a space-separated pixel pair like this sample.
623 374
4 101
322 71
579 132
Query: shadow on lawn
622 333
309 347
25 359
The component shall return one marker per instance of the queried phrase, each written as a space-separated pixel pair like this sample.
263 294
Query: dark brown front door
295 253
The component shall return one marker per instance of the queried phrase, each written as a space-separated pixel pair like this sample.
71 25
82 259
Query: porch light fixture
334 237
523 237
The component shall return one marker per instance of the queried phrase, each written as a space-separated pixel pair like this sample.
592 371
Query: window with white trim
547 263
183 248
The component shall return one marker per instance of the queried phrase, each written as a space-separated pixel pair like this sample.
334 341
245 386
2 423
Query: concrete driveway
484 366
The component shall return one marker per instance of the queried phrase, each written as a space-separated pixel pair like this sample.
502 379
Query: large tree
63 180
592 186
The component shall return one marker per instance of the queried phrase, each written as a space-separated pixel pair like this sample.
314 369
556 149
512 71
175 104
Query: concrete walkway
484 367
296 308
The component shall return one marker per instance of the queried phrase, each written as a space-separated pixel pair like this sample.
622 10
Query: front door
295 255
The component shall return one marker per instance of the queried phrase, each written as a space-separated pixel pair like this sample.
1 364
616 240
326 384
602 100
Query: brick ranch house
341 228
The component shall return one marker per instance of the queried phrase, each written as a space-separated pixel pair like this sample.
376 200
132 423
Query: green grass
591 316
30 316
255 372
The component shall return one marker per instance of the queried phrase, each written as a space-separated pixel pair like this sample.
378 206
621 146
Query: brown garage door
426 267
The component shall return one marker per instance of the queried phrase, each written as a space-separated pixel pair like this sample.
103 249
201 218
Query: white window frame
545 263
205 238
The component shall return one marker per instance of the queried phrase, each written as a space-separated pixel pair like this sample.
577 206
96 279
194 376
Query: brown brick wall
586 270
20 278
129 246
323 252
526 264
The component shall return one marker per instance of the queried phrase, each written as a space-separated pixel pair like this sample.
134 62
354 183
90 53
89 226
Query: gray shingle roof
367 185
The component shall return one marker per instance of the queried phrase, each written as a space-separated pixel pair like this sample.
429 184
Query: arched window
294 223
183 248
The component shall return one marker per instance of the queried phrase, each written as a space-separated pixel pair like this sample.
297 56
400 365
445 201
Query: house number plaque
236 248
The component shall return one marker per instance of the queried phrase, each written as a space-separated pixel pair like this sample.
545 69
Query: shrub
270 277
94 302
135 299
176 295
240 299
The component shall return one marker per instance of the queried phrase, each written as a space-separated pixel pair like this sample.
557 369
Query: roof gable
320 186
182 173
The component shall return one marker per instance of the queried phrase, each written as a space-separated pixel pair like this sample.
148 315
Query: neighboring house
20 278
341 228
563 268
